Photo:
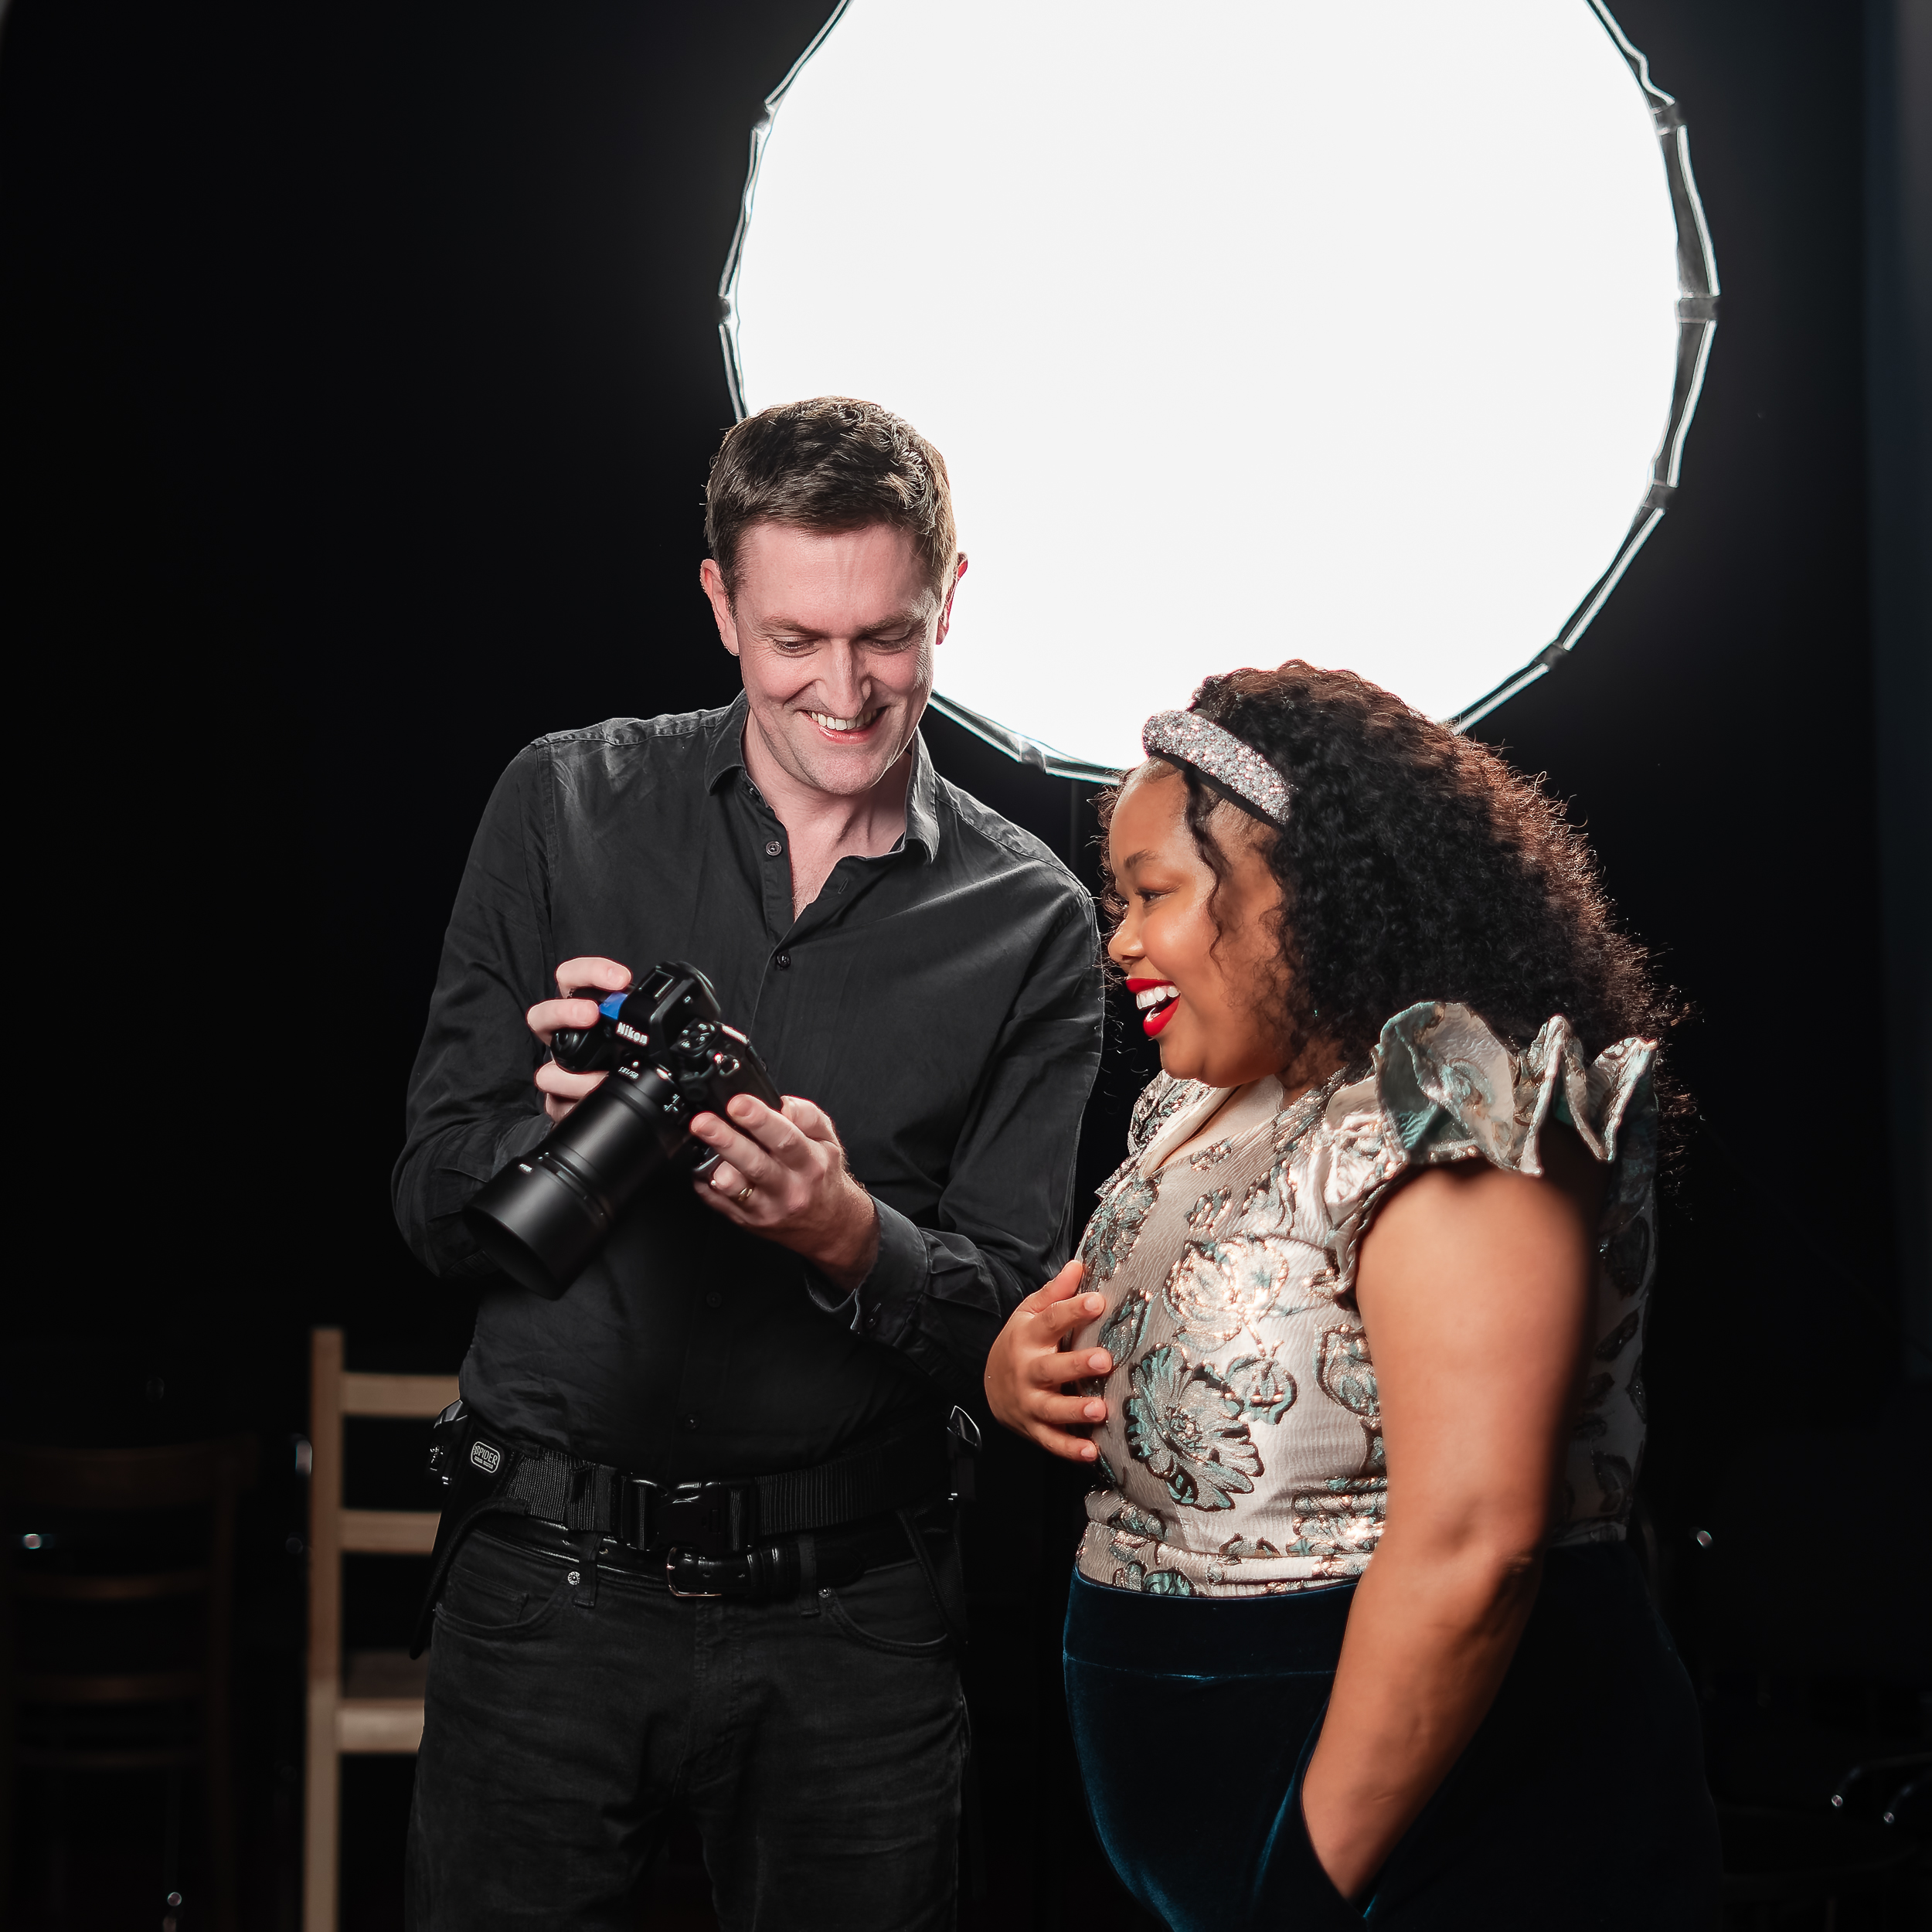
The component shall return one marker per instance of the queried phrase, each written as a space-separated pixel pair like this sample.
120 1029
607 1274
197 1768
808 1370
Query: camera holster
760 1538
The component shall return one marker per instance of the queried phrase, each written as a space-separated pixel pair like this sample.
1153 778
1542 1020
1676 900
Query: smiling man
777 1347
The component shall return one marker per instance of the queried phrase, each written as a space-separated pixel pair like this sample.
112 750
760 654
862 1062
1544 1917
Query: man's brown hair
829 463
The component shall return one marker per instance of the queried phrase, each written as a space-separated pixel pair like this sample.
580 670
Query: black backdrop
360 371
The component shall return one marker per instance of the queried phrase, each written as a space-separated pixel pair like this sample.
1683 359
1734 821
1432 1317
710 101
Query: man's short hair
830 464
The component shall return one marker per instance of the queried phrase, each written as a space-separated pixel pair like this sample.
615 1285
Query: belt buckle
671 1575
712 1518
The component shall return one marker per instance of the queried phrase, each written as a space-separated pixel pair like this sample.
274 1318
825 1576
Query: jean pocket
890 1610
495 1589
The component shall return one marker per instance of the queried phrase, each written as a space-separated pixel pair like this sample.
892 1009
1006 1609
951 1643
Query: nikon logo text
630 1032
487 1459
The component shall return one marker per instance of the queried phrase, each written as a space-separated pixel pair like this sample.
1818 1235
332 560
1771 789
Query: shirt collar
726 757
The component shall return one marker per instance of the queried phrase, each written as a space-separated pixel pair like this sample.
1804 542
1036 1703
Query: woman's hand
1027 1368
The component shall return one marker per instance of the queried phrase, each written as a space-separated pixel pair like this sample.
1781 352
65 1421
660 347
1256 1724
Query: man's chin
846 768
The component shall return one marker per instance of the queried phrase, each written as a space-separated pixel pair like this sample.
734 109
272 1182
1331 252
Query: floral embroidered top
1242 1453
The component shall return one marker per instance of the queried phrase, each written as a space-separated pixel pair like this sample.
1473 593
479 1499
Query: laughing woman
1358 1350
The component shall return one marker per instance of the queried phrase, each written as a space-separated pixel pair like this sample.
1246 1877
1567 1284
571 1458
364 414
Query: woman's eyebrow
1133 859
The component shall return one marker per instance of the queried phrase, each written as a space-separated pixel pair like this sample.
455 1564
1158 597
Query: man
774 1641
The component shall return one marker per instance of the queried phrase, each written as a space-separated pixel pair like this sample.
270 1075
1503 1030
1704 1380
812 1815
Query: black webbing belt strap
487 1472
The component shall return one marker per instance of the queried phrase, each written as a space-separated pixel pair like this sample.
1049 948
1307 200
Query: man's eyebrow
899 621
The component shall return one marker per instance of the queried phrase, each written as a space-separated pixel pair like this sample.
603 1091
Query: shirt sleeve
1004 1222
472 1104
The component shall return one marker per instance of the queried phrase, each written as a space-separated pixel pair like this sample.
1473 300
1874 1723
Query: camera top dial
650 1011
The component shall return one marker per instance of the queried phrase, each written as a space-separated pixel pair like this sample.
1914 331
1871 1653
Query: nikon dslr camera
670 1057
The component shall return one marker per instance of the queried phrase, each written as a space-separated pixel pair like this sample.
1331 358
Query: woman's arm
1474 1287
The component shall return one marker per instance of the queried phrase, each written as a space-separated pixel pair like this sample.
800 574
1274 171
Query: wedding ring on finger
742 1194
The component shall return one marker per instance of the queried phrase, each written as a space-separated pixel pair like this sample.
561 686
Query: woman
1355 1343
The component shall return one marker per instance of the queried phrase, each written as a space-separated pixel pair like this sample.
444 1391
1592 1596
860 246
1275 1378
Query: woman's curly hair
1416 865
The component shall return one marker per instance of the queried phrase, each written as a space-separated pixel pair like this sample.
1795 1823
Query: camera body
670 1057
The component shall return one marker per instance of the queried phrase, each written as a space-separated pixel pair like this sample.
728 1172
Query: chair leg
321 1805
220 1797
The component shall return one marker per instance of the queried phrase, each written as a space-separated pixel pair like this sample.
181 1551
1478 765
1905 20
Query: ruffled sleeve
1442 1088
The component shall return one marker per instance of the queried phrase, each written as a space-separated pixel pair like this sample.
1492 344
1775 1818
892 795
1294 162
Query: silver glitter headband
1200 742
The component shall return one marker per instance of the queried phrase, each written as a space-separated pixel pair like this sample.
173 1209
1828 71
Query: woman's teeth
1156 1003
825 720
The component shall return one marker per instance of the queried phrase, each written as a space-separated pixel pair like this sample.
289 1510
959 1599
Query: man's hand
562 1091
802 1194
1027 1369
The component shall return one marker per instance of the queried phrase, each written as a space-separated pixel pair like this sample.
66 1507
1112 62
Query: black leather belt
755 1536
779 1567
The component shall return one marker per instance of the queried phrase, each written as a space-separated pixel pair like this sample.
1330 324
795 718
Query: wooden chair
372 1701
71 1483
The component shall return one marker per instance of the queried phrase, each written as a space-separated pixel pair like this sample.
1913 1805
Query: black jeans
817 1743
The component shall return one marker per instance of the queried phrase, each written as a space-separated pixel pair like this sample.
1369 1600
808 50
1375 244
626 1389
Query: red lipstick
1154 1019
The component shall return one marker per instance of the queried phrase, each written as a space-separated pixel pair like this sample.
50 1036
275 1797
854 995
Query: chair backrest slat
387 1395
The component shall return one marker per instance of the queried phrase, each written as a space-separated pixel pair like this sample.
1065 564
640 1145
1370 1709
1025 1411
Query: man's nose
846 684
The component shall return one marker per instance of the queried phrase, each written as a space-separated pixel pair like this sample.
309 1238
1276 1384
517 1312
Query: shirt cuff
883 1305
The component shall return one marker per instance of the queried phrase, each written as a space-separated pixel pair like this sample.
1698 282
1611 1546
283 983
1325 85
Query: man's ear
946 612
711 580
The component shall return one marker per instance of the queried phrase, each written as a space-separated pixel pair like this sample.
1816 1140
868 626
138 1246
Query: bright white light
1253 330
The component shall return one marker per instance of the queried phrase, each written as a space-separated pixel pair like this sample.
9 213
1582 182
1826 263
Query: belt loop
808 1574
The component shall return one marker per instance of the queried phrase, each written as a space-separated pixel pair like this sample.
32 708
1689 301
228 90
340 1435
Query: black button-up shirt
942 1002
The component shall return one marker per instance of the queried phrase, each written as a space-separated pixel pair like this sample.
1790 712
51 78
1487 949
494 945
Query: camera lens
542 1218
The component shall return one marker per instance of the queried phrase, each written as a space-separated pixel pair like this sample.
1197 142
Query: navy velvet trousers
1581 1802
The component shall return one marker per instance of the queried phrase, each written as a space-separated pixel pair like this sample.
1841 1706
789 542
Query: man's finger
592 970
737 1150
773 1131
810 1119
725 1182
728 1205
553 1079
547 1015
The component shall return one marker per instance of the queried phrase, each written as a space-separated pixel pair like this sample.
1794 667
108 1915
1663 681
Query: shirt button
783 962
714 1300
773 847
691 1423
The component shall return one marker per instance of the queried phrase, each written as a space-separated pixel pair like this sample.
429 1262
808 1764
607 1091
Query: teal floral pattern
1265 1389
1186 1425
1125 1204
1242 1452
1220 1289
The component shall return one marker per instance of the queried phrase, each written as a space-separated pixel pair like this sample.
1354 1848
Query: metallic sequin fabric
1202 743
1242 1452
